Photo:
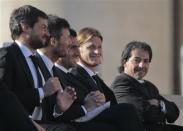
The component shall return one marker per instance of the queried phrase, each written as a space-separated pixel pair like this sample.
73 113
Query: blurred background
156 22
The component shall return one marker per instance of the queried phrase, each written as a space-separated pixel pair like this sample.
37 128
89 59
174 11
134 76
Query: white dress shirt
37 113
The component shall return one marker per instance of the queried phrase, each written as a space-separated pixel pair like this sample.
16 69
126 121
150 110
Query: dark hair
26 14
72 32
56 25
126 53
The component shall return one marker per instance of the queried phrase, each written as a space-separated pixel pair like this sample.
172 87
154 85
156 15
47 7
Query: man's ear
123 62
24 27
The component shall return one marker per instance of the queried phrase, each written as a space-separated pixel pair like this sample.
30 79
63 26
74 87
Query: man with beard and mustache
46 56
58 46
130 87
18 68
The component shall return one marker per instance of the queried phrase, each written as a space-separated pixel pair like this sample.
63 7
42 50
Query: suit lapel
44 70
62 77
23 63
83 76
140 87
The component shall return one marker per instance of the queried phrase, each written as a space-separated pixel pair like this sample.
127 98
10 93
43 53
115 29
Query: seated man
130 87
12 115
95 92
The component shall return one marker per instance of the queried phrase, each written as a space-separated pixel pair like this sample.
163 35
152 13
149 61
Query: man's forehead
139 53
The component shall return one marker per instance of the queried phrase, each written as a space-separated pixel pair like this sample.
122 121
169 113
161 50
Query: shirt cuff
84 109
41 94
163 107
56 114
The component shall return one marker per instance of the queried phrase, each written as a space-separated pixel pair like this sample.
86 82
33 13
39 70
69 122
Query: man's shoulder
150 83
122 77
8 49
78 71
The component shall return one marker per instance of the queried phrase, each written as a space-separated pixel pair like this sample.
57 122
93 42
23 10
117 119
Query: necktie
39 112
97 81
43 68
34 61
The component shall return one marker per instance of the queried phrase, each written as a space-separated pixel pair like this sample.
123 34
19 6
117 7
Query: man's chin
138 76
92 65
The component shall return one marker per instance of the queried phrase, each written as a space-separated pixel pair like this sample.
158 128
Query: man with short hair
72 53
18 67
130 87
61 46
97 94
60 37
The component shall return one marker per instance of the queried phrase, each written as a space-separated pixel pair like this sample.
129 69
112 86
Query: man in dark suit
18 68
59 30
59 41
122 116
12 115
130 87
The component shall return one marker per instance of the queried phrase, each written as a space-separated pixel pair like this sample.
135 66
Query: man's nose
96 51
142 64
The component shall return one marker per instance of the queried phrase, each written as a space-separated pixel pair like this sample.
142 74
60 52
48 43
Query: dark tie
43 68
40 83
97 81
34 61
54 71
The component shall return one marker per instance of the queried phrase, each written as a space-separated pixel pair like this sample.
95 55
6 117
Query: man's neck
89 70
49 53
61 62
89 67
25 42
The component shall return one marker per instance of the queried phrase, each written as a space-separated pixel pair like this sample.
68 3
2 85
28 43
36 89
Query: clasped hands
93 100
65 97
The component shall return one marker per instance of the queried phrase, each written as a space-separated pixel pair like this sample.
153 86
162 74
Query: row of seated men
48 77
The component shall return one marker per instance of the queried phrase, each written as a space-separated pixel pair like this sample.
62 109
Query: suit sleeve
125 92
29 97
172 111
75 111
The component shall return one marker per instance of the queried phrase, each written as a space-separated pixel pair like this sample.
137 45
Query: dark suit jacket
129 90
75 110
15 73
89 85
12 115
82 89
65 79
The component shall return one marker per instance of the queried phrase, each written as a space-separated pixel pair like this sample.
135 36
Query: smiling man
130 87
95 92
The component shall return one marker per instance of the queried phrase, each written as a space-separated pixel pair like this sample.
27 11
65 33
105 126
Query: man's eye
146 61
137 60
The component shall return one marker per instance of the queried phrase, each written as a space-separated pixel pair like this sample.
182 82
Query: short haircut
126 53
72 32
56 25
26 14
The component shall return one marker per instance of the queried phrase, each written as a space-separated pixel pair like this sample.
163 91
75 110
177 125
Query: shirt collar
90 72
61 68
141 81
47 61
25 50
